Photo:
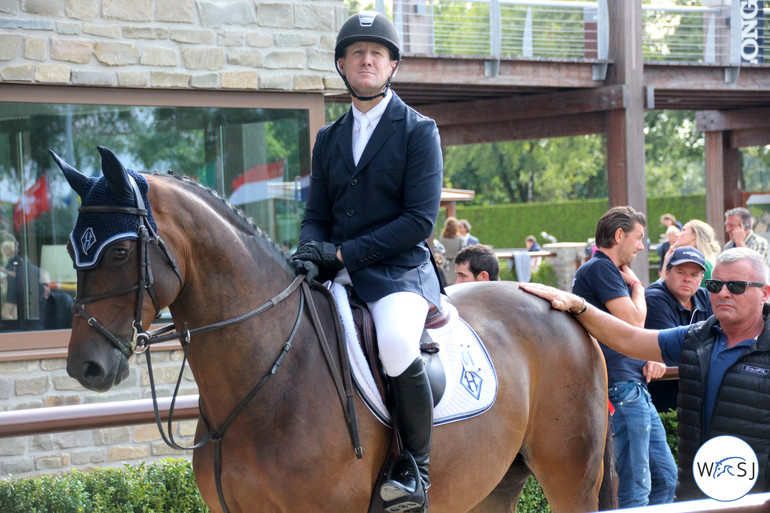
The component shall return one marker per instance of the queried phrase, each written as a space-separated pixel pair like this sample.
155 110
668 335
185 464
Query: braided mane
234 215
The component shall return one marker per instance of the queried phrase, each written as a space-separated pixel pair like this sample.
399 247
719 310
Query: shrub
164 487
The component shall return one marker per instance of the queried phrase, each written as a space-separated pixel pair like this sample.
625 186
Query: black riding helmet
368 26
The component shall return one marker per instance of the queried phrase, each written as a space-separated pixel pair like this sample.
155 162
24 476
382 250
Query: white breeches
399 319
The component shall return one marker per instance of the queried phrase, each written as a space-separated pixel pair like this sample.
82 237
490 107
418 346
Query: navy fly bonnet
118 187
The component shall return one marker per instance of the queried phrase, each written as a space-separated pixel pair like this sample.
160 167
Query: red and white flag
32 203
258 183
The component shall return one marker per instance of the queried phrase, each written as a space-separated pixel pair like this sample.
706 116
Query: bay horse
287 446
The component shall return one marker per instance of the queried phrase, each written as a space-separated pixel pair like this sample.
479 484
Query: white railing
548 29
727 34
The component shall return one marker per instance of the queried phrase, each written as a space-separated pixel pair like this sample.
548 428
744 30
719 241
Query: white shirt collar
375 113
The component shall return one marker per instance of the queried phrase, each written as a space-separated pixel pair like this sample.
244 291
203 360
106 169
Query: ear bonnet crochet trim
117 187
95 231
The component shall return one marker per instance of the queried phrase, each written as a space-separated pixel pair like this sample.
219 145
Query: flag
259 183
302 187
32 203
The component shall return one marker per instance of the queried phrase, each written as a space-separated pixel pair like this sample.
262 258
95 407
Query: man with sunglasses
724 362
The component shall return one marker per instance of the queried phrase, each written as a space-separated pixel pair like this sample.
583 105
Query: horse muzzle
99 369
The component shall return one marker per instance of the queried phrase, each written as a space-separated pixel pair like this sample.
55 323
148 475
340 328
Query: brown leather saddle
367 338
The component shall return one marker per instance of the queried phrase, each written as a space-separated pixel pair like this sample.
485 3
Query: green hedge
164 487
506 226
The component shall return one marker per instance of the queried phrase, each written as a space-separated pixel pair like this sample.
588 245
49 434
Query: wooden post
625 128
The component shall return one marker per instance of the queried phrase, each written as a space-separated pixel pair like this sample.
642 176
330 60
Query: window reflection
257 158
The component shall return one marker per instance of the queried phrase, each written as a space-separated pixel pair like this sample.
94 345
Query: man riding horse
374 197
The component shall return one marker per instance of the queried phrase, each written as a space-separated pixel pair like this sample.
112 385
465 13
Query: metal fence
731 34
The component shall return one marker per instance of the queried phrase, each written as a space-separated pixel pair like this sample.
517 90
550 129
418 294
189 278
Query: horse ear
116 175
77 180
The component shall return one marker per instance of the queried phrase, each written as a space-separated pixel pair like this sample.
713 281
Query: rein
142 340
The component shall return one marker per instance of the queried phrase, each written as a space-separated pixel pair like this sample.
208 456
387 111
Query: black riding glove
310 255
320 253
306 267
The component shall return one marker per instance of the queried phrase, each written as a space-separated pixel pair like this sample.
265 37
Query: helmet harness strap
367 98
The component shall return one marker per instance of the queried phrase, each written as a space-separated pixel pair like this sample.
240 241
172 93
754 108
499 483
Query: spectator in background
678 300
645 466
56 306
452 242
465 233
669 220
21 305
672 232
534 262
476 262
531 243
738 224
702 237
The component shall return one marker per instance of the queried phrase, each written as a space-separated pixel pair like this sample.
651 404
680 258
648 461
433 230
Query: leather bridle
140 338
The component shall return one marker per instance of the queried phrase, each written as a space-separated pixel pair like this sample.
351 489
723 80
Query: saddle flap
367 338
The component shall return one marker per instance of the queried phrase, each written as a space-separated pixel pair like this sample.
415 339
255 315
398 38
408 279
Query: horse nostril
92 370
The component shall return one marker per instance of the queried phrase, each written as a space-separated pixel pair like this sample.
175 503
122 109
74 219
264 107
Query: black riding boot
413 405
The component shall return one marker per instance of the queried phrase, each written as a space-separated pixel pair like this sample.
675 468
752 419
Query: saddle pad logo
469 378
87 240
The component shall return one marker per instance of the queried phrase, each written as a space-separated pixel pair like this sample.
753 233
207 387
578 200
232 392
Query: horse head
118 294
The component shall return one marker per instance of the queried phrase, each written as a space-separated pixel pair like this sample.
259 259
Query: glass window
257 158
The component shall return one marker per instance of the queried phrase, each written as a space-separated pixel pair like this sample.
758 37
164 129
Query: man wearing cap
724 362
678 299
374 197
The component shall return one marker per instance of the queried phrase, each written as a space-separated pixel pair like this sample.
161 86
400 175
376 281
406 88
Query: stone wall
41 383
569 256
203 44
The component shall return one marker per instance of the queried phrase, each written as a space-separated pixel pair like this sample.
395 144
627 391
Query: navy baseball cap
687 254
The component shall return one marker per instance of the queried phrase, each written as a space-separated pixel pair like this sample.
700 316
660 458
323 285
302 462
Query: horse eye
119 253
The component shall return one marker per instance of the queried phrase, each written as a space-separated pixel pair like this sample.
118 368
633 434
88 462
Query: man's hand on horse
559 299
320 253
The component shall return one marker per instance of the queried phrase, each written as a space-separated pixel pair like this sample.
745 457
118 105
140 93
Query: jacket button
354 181
350 213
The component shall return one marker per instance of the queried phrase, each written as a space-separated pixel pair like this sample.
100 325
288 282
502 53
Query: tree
526 171
673 153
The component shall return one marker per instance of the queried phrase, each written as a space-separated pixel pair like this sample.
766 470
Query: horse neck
227 274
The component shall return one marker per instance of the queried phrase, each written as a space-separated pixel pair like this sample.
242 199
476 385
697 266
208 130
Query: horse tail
608 491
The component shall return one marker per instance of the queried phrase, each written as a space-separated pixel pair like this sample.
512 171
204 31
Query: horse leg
569 469
505 496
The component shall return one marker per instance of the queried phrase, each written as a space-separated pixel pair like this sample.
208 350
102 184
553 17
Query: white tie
363 137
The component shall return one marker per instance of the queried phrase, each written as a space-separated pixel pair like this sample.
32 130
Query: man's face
630 244
366 66
464 274
735 224
683 280
736 309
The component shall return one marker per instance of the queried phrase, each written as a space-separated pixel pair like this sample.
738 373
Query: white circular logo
725 468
